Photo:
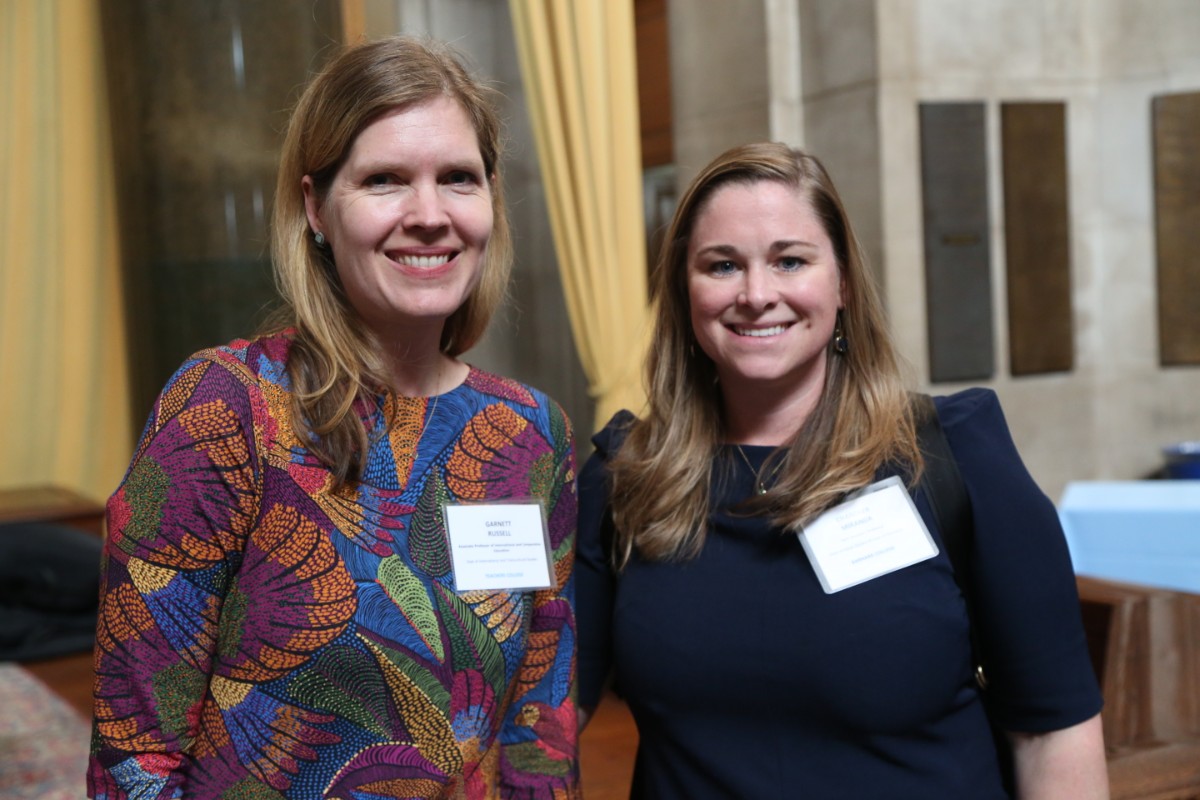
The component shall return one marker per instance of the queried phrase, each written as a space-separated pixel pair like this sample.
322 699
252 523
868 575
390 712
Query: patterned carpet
43 741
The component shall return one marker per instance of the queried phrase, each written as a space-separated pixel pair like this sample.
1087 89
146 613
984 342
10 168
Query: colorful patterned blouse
263 637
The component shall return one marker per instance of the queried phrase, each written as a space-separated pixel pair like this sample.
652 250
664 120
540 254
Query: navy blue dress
748 681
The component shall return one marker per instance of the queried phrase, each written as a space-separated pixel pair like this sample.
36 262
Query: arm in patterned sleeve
176 527
540 755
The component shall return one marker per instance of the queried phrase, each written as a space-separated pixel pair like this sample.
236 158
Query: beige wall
720 91
1106 59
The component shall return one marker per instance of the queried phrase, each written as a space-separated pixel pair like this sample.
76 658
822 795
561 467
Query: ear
312 204
841 291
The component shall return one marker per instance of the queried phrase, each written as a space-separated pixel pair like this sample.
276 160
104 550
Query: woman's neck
413 357
424 375
756 417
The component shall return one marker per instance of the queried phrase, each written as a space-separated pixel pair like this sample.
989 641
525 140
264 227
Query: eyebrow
385 164
776 247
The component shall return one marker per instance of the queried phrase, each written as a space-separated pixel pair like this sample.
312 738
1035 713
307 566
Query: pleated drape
64 394
579 67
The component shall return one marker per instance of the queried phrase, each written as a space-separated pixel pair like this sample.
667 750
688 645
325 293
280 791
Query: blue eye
461 177
722 267
790 263
380 179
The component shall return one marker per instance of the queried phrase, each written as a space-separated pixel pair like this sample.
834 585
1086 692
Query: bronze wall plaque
954 193
1037 237
1177 226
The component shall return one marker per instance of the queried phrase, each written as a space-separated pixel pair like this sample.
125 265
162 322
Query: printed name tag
499 546
876 530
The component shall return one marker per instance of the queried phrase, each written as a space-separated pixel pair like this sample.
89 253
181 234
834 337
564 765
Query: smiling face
408 217
764 287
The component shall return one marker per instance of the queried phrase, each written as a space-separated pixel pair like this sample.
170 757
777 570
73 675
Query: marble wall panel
719 83
841 129
838 44
1146 38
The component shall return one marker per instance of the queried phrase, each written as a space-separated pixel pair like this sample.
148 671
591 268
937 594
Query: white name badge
876 530
499 546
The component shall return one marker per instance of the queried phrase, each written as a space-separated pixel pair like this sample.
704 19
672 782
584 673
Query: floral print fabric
262 636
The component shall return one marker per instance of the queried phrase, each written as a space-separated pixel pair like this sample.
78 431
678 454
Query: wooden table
51 504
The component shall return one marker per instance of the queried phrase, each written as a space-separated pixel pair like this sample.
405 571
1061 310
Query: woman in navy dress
757 661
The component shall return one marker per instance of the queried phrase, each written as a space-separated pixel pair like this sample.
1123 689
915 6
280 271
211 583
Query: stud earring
319 238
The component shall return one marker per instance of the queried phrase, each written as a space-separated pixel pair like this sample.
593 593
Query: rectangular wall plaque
1037 237
1177 226
954 194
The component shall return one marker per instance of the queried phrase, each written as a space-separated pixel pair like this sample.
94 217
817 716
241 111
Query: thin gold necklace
759 484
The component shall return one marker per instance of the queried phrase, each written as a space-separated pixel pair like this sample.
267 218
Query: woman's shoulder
511 390
240 371
976 405
526 400
261 356
976 427
608 440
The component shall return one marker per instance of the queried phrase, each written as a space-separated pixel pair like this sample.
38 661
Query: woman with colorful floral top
288 608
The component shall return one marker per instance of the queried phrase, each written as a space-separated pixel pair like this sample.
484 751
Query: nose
425 208
758 289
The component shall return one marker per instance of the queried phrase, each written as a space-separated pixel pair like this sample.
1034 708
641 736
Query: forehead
439 124
757 208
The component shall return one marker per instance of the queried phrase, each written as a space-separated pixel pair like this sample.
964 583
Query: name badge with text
876 530
499 546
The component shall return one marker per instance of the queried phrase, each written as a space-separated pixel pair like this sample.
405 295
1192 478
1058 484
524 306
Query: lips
758 333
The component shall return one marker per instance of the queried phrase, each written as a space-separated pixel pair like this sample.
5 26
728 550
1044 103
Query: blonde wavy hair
661 478
335 359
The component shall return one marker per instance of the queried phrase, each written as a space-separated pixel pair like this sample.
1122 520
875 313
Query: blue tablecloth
1145 532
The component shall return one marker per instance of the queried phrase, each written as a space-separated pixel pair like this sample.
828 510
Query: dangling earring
319 238
840 345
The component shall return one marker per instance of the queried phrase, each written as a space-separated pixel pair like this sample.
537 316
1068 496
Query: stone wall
1105 59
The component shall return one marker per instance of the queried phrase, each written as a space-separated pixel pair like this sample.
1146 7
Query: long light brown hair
335 359
661 478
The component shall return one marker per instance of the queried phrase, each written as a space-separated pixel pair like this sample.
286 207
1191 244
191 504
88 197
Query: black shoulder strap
947 494
943 485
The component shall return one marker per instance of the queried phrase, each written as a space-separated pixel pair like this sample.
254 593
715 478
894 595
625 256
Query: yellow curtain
579 66
64 395
354 20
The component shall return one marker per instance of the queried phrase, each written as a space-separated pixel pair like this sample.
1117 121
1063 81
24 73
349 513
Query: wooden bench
1145 646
